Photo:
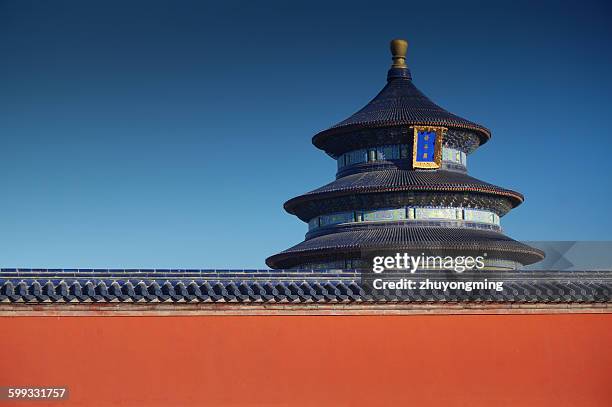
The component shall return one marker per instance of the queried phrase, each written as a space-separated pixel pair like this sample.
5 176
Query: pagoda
402 184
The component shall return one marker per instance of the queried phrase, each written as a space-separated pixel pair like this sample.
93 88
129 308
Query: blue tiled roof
252 286
402 180
355 238
399 103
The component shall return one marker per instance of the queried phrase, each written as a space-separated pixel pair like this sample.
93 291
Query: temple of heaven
402 184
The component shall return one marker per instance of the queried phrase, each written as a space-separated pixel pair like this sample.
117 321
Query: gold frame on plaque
437 147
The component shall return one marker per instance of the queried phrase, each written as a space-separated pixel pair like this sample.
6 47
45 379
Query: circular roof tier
400 102
400 181
351 244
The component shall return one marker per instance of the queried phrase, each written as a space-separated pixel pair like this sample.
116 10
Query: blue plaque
427 147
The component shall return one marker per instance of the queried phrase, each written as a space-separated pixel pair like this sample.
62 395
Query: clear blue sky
169 134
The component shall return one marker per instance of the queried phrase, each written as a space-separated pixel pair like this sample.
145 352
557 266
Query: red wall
501 360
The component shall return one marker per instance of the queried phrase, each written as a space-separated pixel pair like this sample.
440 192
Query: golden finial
398 50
